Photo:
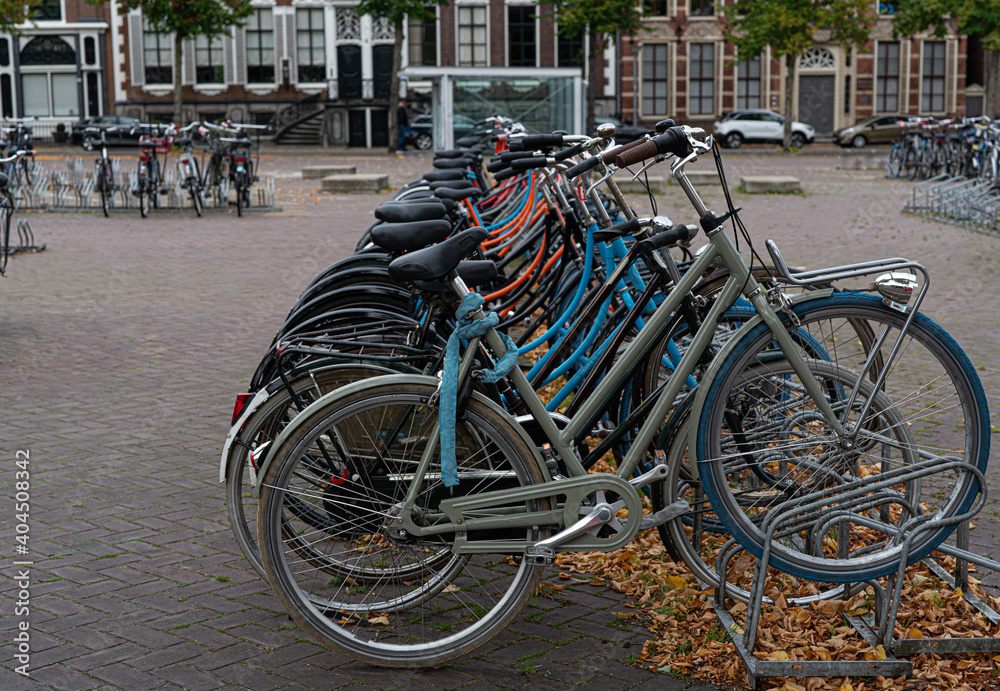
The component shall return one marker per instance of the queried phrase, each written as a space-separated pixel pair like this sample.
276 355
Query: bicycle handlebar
673 141
583 166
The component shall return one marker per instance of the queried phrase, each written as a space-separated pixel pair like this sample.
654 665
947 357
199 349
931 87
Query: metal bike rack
847 504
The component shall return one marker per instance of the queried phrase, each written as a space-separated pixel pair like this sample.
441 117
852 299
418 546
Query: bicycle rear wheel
895 161
762 444
328 500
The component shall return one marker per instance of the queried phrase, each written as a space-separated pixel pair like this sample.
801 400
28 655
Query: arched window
48 50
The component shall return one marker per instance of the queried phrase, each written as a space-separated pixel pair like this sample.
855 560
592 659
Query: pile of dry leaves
688 640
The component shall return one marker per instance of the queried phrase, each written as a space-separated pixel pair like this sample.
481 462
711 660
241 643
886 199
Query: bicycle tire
194 189
262 427
239 193
957 413
143 199
461 601
25 170
895 161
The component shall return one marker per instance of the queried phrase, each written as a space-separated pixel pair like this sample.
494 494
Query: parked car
423 129
123 136
877 129
740 126
623 133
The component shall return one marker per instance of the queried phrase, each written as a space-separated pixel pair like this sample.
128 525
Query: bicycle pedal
539 556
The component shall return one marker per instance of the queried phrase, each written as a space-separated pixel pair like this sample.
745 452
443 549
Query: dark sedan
123 136
878 129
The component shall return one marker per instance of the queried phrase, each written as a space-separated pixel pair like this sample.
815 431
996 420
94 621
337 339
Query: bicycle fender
256 402
720 357
350 389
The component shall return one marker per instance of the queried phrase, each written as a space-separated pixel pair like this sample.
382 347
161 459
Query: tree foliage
969 16
187 18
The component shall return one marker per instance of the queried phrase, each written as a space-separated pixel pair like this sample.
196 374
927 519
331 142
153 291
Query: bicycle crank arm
544 553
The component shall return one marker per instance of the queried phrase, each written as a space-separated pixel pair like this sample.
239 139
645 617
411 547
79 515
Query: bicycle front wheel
762 443
329 498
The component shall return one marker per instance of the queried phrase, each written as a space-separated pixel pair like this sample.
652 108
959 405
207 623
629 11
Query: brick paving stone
128 339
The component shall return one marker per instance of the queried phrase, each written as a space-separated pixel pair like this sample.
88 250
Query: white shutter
904 77
136 56
950 75
188 74
672 80
720 49
279 43
228 66
240 58
290 52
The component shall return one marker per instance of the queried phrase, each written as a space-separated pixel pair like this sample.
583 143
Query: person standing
402 126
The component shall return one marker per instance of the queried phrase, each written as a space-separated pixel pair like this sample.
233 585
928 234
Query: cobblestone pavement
124 344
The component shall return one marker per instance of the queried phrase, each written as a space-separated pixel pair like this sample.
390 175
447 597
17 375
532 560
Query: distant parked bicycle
188 168
159 140
232 158
17 137
104 176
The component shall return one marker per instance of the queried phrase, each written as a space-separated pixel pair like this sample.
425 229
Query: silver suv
741 126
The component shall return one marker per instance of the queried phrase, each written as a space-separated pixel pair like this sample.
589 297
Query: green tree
14 13
598 20
966 17
790 28
187 19
396 12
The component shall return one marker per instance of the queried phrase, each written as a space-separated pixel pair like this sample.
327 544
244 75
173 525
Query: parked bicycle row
960 147
228 162
425 433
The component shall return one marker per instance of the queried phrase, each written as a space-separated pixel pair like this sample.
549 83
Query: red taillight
241 160
241 402
144 159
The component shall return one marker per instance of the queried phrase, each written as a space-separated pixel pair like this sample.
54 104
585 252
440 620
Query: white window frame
642 78
265 7
489 41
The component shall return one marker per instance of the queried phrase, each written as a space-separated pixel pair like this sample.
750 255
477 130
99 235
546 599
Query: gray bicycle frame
740 280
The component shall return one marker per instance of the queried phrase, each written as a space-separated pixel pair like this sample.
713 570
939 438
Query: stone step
358 182
758 184
703 177
314 172
629 186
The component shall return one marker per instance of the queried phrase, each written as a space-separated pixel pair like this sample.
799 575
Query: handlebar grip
636 154
670 237
630 227
570 152
508 156
541 141
515 144
618 150
504 174
583 167
496 166
529 163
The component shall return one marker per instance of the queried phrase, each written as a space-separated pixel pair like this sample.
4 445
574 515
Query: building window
887 77
702 8
157 58
50 94
4 52
6 96
310 47
472 36
570 48
423 39
655 8
748 84
654 79
47 11
260 47
701 82
932 86
208 60
90 50
521 36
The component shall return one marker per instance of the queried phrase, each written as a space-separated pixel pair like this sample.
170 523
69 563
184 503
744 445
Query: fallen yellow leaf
780 655
384 621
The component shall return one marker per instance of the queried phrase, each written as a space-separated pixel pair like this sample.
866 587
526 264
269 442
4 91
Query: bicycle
19 139
104 176
369 550
188 168
150 176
